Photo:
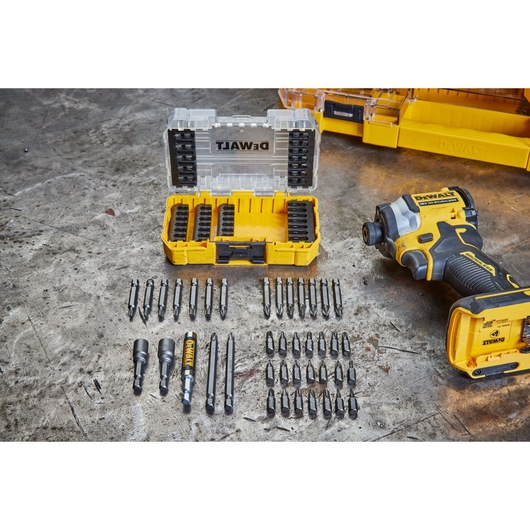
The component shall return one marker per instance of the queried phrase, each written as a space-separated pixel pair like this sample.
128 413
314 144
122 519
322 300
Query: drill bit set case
239 188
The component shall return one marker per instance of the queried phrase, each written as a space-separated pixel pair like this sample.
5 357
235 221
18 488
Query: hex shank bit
313 301
337 297
279 297
229 375
324 297
162 298
223 301
208 299
148 297
266 297
212 374
290 297
133 297
194 297
271 403
301 297
177 298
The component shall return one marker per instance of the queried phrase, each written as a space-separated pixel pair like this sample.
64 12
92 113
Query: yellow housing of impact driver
435 236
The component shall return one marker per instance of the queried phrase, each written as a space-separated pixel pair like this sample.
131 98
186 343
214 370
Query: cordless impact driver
435 236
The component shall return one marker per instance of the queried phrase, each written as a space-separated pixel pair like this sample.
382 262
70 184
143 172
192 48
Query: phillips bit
148 297
212 375
177 298
194 297
266 297
284 374
322 373
337 298
346 348
351 374
140 358
290 297
339 374
313 301
312 404
309 345
339 405
133 297
189 359
297 348
269 343
166 358
297 374
353 407
282 344
229 377
162 298
310 373
208 299
271 403
269 374
324 297
285 403
223 301
279 297
298 403
322 344
326 404
334 347
301 297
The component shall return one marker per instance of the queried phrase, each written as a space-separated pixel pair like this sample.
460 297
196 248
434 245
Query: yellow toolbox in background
234 183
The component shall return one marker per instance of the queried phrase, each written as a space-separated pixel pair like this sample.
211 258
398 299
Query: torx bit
140 358
297 348
189 359
285 403
166 358
194 297
309 345
353 407
312 404
271 403
223 301
269 343
284 374
326 404
229 376
310 373
324 297
177 298
266 297
298 403
351 375
339 374
133 297
346 348
269 374
337 297
290 297
301 297
297 374
322 373
339 405
162 298
313 299
212 374
208 299
279 297
148 297
282 344
322 344
334 346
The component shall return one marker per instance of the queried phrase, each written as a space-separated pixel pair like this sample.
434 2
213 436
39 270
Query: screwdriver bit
301 297
223 302
339 405
194 297
310 373
208 299
313 301
324 297
162 298
353 407
212 374
284 374
133 297
334 347
282 344
298 403
337 297
290 297
166 358
229 377
346 348
285 403
322 373
351 374
279 297
269 374
140 358
271 403
339 374
148 297
297 348
266 297
177 298
189 358
297 373
269 343
309 345
326 404
322 344
312 404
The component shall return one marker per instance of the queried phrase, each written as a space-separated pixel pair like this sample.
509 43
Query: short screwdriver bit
322 373
297 374
290 297
194 297
301 297
133 297
284 374
346 347
351 375
166 358
297 349
279 297
140 358
269 374
271 403
337 297
321 344
324 297
339 374
282 344
162 298
312 404
148 297
266 297
208 299
269 343
285 403
298 403
309 345
310 373
334 346
313 301
223 300
353 407
339 405
326 404
177 298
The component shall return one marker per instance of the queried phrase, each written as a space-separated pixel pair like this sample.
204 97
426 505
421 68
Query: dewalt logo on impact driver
436 198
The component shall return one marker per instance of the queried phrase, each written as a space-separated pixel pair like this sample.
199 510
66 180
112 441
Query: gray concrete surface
82 197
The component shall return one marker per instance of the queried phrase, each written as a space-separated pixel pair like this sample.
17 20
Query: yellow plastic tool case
238 188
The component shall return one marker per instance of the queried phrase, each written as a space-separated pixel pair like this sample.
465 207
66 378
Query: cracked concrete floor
82 195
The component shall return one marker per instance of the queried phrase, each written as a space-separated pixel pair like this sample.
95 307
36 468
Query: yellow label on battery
188 356
472 257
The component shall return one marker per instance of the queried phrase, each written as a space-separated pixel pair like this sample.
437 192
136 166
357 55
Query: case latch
240 250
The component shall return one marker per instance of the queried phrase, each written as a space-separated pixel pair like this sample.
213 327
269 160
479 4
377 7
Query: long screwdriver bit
148 297
140 358
324 297
337 297
212 374
279 297
301 297
177 298
223 301
309 345
313 299
194 297
290 297
271 403
208 299
229 377
133 297
189 359
166 359
266 297
162 298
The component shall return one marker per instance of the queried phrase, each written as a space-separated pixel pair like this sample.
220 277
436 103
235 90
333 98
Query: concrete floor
82 195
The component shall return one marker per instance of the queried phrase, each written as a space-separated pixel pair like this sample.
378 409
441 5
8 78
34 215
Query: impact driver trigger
416 262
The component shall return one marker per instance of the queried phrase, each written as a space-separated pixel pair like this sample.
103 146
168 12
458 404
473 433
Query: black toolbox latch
240 250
